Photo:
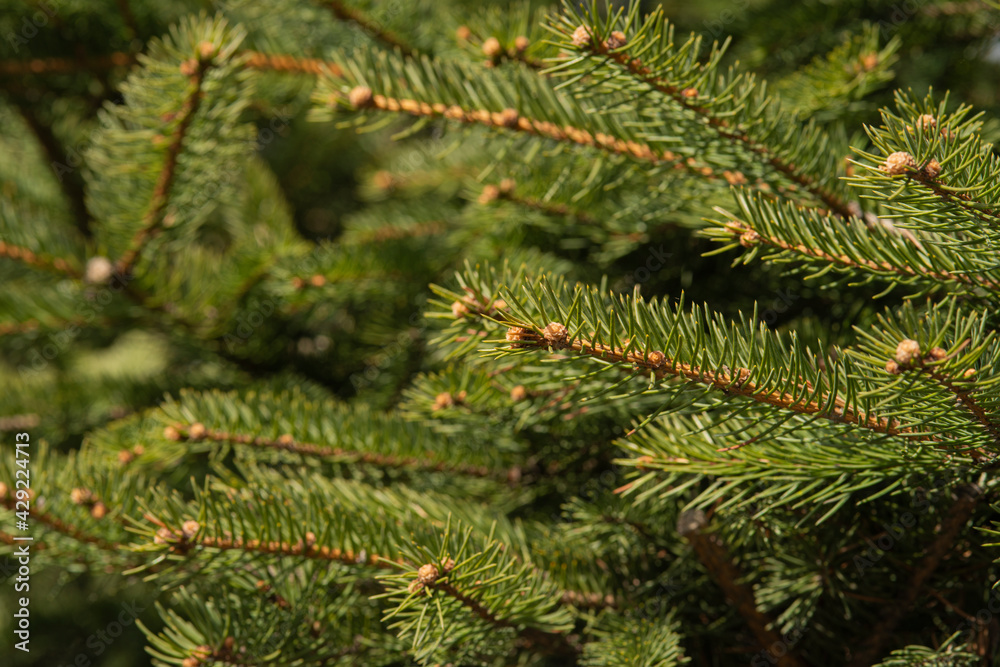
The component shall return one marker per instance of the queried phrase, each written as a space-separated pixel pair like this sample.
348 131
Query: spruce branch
536 639
527 104
182 539
362 97
278 62
153 219
196 431
714 556
803 397
40 261
965 398
933 169
849 246
733 108
954 521
66 65
60 526
495 52
505 191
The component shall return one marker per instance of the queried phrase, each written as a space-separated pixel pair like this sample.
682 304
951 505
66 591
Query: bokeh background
330 177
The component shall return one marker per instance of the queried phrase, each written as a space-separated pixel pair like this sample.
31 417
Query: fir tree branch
963 201
495 52
60 526
66 65
394 232
71 182
505 192
181 542
369 26
44 262
723 128
748 236
277 62
362 98
553 643
969 403
161 193
958 515
287 443
715 558
8 539
732 381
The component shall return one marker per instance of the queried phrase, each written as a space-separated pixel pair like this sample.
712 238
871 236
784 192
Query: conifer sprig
733 106
783 232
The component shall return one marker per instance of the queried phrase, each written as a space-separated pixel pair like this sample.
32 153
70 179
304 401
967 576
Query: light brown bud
490 193
520 337
656 359
427 574
555 334
197 431
521 43
492 48
907 352
518 393
581 36
360 97
189 529
898 163
749 238
616 40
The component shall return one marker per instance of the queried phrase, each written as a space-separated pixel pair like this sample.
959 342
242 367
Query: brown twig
44 262
277 62
65 65
715 558
510 119
180 544
58 525
958 515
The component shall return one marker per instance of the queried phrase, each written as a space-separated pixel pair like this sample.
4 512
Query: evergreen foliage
443 333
